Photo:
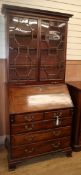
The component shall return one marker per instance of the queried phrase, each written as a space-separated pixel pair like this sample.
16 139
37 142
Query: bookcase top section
36 45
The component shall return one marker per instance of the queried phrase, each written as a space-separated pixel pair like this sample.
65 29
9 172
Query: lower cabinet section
39 133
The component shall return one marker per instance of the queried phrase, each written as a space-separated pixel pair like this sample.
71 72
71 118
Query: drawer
39 148
40 125
58 114
20 139
27 117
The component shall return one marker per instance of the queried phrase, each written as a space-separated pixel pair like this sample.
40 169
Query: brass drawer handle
29 151
28 118
26 150
28 128
56 133
57 114
56 145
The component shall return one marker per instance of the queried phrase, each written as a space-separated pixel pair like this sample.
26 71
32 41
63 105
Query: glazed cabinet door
23 48
52 50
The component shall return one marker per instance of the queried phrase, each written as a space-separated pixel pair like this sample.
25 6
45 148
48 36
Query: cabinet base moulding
12 163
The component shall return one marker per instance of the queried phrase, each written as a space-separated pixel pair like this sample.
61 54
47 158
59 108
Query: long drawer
28 117
20 139
34 149
40 125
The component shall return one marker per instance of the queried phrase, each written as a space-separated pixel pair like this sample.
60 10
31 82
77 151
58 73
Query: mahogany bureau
39 104
40 121
75 91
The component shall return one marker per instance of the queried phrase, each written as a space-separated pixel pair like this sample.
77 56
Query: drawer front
20 139
32 150
40 125
58 114
29 117
22 118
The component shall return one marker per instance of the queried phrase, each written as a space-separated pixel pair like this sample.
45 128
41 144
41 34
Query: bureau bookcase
40 107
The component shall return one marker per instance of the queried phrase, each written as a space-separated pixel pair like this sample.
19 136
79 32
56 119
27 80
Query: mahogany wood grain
75 92
38 98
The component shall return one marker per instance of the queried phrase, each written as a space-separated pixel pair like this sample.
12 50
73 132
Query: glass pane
23 51
52 50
